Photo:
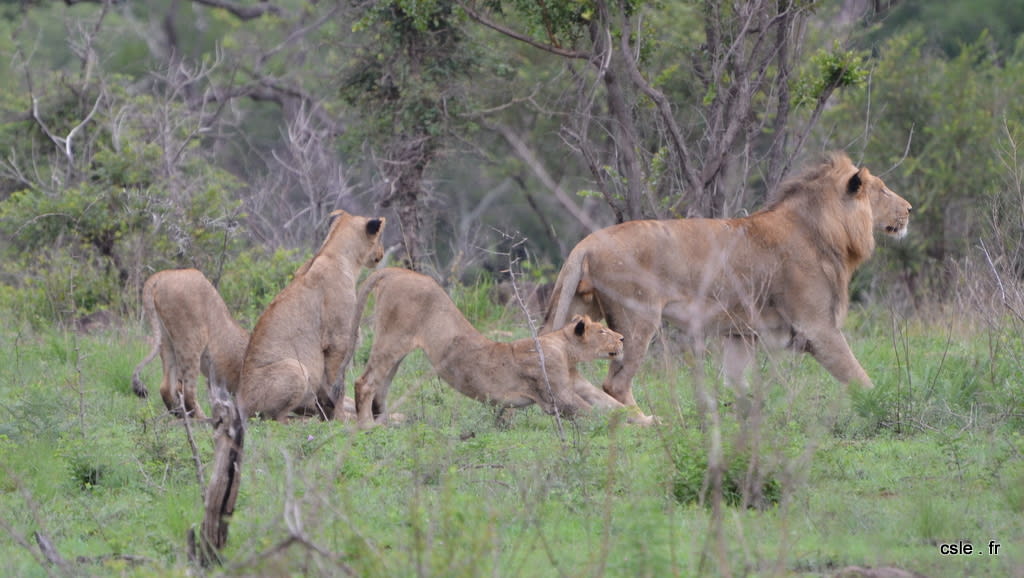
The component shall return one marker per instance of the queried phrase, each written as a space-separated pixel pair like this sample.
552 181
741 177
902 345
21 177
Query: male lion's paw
369 425
641 419
392 419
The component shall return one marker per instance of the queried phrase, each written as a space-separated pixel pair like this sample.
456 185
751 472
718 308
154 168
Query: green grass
933 455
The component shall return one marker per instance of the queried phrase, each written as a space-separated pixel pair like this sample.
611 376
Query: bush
252 280
756 487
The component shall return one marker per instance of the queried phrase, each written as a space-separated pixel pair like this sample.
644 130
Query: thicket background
137 136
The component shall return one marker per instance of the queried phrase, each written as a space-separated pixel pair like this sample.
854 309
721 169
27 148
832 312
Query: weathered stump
226 477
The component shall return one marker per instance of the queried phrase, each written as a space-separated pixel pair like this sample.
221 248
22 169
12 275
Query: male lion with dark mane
412 311
300 342
193 331
779 276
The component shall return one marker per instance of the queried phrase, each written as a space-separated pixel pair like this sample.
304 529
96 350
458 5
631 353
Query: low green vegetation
822 480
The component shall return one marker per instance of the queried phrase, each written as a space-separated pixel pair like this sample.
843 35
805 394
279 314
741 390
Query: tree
650 155
942 132
405 86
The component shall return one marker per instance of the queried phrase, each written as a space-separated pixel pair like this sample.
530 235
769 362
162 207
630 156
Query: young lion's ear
374 226
334 215
581 328
854 184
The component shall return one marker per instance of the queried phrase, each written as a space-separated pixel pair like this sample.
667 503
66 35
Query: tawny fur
193 332
412 311
299 344
779 276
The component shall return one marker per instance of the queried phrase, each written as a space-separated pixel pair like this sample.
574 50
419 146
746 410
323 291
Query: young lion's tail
148 312
573 272
361 298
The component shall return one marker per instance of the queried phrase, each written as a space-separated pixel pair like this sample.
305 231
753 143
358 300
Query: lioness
193 332
412 312
779 276
299 343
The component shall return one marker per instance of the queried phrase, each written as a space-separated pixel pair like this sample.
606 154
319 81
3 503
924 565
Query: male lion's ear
581 328
854 184
374 226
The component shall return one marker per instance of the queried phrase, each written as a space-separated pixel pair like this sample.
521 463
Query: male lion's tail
148 312
573 272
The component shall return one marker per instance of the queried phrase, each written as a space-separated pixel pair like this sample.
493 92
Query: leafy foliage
743 482
945 124
951 24
830 70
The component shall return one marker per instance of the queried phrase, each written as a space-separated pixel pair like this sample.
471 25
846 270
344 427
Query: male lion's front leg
832 351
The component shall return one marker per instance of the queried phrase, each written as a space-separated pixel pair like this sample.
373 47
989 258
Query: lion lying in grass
779 276
298 346
193 332
412 312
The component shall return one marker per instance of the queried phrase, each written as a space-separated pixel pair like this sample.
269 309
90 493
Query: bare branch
273 90
50 551
243 11
300 33
686 160
64 143
527 156
476 16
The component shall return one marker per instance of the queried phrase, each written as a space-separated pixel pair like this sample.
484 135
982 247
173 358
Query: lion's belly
474 366
731 314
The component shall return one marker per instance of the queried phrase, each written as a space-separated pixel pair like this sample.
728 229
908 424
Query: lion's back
414 304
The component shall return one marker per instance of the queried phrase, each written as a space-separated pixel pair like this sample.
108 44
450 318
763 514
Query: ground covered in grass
823 479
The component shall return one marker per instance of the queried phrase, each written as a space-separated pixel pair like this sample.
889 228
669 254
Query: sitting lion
412 312
779 276
194 333
299 343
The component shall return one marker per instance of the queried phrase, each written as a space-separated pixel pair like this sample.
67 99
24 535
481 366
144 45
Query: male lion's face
891 211
595 340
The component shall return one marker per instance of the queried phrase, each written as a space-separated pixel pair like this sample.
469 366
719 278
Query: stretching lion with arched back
411 311
779 276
